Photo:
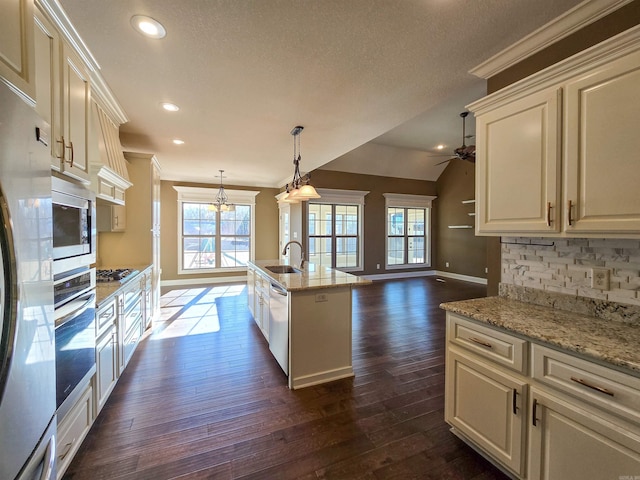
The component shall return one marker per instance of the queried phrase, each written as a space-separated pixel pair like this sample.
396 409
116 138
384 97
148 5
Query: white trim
407 200
458 276
555 75
203 281
330 196
561 27
321 377
391 276
208 195
403 200
343 197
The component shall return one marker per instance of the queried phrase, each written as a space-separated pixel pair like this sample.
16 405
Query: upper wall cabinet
16 46
557 152
63 99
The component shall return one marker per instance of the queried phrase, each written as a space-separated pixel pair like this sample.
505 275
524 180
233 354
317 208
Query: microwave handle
90 300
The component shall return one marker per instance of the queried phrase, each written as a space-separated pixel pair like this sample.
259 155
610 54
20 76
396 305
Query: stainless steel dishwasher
279 326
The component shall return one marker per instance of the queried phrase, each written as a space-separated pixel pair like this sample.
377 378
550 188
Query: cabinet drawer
73 429
106 317
487 342
614 391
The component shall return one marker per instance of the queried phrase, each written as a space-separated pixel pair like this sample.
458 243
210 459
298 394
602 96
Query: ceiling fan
464 152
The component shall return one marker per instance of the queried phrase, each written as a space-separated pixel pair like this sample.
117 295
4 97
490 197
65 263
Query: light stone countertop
312 277
607 341
106 290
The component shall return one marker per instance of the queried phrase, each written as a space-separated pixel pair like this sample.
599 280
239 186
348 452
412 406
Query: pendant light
222 202
299 190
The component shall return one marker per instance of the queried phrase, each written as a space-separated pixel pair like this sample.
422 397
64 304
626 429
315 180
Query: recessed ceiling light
148 26
440 147
170 107
178 142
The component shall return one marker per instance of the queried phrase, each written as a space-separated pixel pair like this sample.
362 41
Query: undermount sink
280 269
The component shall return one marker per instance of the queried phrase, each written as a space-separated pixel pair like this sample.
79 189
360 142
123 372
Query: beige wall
374 209
465 253
266 224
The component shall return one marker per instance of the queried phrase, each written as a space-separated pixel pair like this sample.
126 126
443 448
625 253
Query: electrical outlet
446 264
321 297
600 278
486 269
378 266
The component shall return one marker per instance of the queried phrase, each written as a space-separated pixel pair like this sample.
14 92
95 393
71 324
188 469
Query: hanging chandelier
299 190
222 201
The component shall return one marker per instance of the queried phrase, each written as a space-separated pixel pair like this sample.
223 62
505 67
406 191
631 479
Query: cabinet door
602 145
76 98
106 366
517 166
486 406
16 45
569 441
47 59
251 290
111 218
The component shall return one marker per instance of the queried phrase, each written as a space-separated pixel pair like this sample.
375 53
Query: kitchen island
305 316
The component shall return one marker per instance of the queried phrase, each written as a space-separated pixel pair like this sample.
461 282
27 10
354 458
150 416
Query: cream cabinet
556 152
72 429
251 289
518 165
16 46
107 349
536 412
111 218
262 287
63 99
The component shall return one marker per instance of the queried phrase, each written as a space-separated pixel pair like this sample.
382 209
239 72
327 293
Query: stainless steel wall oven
75 304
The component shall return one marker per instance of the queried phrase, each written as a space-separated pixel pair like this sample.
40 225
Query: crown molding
569 22
100 91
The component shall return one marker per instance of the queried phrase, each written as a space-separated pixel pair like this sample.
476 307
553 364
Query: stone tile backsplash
564 266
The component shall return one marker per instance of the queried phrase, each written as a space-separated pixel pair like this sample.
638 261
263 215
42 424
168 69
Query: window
407 227
210 240
335 229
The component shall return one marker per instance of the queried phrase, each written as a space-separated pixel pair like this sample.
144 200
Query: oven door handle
91 298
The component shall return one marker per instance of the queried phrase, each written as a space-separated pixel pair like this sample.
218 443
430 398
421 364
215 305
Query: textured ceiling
245 72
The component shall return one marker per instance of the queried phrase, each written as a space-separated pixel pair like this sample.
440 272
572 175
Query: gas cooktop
115 275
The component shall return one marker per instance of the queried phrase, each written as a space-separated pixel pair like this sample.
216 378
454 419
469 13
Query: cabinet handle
70 147
114 338
549 214
514 403
480 342
67 449
569 220
594 387
534 413
64 147
116 220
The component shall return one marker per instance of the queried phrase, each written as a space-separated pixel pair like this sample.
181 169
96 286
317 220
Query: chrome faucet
284 251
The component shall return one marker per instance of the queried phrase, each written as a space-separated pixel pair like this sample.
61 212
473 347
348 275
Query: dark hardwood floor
204 398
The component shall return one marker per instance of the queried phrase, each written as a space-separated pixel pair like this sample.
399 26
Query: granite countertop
312 277
106 290
610 341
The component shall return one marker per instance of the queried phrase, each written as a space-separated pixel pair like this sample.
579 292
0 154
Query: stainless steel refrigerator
27 353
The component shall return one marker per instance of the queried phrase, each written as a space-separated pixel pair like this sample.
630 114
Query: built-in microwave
74 225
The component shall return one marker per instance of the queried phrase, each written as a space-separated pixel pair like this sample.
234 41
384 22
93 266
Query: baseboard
321 377
458 276
203 281
390 276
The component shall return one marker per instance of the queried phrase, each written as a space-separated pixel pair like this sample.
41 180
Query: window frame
205 195
338 197
405 201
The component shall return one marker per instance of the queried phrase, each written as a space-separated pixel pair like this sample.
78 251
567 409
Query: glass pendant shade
307 192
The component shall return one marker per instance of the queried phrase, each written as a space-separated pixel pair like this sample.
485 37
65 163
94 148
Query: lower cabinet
107 365
261 293
567 418
72 429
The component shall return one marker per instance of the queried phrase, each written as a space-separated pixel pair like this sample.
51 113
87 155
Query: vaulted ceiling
377 84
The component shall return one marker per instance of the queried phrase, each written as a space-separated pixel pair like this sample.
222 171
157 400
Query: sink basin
280 269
